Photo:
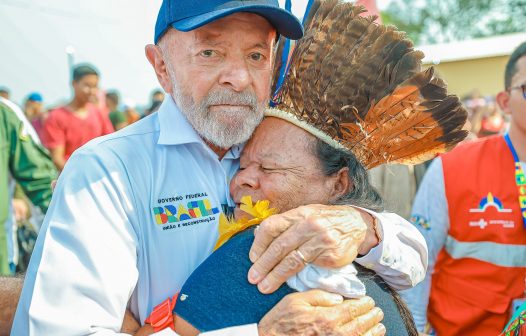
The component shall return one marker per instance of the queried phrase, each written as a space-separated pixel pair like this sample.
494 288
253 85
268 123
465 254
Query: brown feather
361 84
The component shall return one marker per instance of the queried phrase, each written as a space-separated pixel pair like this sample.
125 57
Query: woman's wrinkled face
278 164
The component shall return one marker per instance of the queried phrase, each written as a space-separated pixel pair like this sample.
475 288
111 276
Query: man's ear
503 99
156 59
341 184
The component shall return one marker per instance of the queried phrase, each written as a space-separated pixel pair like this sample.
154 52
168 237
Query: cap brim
285 23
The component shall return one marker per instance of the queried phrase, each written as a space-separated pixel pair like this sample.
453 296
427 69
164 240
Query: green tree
436 21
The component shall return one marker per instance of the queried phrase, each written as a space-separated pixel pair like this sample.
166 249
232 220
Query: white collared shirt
133 214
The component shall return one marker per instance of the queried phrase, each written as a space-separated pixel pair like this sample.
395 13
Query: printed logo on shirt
486 203
420 221
183 211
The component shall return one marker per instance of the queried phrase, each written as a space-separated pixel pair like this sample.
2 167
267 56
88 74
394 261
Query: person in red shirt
71 126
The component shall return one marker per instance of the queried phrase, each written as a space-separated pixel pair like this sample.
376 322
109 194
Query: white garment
123 227
343 281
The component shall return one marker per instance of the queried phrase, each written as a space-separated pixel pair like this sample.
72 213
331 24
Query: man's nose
236 75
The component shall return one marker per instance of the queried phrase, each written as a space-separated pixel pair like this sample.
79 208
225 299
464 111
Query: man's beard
212 126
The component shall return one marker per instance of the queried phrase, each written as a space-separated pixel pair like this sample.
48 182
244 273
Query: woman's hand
317 312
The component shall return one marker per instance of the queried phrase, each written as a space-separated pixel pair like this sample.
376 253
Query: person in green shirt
118 118
28 164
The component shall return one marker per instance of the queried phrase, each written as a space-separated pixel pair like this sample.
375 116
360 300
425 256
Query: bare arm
10 288
57 155
130 325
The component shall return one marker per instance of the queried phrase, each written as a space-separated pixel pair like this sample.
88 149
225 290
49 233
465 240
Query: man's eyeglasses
521 87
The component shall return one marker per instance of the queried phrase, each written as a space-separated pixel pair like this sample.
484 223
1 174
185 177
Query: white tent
110 34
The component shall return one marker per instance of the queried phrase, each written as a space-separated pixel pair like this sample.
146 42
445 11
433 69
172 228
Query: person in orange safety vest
471 208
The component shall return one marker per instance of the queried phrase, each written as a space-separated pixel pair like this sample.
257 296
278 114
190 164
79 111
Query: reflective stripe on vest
504 255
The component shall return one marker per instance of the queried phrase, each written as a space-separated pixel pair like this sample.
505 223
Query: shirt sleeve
401 257
53 135
29 163
83 268
431 218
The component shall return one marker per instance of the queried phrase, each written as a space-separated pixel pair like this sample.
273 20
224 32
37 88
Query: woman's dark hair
362 193
405 313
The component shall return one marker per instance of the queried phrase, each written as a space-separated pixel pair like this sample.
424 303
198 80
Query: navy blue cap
186 15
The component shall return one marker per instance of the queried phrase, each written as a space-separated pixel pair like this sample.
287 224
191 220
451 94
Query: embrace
354 97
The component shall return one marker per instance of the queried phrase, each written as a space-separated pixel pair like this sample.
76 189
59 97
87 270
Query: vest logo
490 201
169 213
487 202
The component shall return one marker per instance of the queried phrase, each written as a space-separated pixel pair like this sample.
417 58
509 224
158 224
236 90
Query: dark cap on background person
187 15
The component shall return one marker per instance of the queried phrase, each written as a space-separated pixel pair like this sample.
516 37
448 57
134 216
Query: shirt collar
235 152
176 130
174 127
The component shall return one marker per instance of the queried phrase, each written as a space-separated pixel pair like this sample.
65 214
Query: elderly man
135 212
306 152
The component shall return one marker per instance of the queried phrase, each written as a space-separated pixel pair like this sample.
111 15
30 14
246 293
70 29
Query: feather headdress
358 86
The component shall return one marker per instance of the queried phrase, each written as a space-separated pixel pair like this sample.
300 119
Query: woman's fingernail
253 276
252 256
337 299
264 285
380 329
379 312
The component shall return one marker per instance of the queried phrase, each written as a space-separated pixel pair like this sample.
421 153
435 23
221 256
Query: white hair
223 128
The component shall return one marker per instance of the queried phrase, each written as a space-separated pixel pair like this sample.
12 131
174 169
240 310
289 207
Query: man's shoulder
59 110
468 149
6 112
58 113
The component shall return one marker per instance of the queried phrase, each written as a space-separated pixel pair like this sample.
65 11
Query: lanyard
520 179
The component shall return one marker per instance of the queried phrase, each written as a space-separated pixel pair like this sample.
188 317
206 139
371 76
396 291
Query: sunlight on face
278 164
221 74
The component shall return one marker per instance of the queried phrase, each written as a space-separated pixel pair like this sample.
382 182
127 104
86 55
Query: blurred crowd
484 116
399 183
94 112
435 196
91 112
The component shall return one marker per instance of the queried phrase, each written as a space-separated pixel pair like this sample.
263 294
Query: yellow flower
258 211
